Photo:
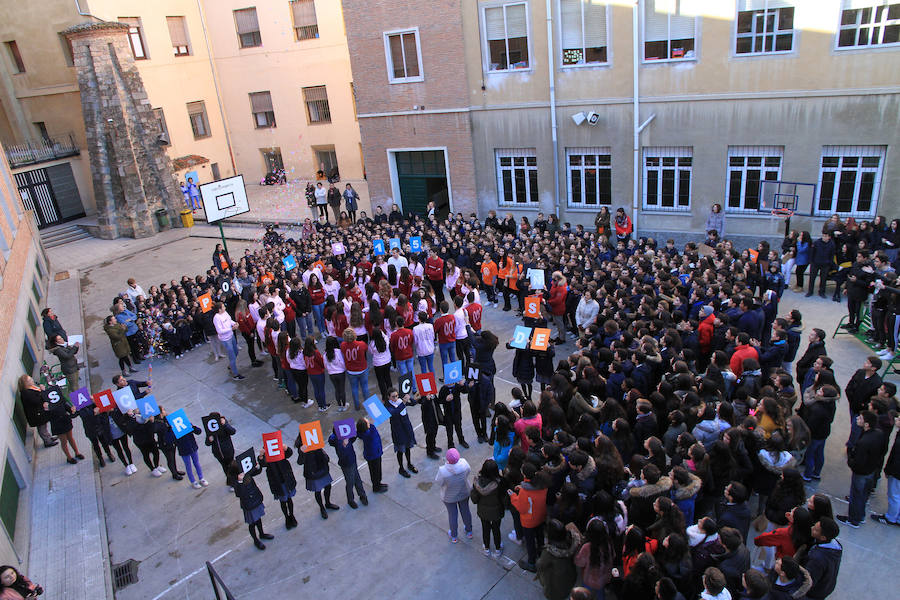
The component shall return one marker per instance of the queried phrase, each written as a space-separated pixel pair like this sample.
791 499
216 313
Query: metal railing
42 150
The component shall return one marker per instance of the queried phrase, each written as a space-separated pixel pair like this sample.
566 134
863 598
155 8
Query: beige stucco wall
283 66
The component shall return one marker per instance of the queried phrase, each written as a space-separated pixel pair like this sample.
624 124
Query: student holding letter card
282 483
316 474
402 434
251 499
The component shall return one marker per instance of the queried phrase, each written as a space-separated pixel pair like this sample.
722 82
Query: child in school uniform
402 434
372 452
347 462
282 484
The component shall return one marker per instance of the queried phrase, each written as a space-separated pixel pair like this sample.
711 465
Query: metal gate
37 195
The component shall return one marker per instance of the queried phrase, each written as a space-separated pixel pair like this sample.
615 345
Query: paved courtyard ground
397 546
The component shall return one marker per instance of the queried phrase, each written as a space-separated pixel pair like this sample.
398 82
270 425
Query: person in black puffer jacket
251 499
488 496
165 439
220 441
317 475
282 484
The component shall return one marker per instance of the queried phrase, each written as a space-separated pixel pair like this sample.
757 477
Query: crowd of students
684 411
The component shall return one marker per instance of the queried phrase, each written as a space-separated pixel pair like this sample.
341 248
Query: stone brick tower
132 175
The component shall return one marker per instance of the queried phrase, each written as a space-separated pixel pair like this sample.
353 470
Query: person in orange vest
513 276
489 278
530 500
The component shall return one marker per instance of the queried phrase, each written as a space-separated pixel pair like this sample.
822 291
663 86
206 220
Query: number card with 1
541 340
289 262
378 247
376 410
311 436
104 400
520 337
273 446
180 423
426 383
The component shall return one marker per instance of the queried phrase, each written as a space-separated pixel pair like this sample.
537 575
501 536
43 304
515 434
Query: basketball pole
225 244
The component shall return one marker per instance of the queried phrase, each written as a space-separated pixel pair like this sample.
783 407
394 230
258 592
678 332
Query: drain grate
124 574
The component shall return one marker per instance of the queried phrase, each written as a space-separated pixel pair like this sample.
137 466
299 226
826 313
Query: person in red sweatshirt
445 328
357 367
402 346
315 368
742 351
474 309
557 302
434 273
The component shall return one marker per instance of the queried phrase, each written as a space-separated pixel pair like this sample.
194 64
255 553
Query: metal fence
42 150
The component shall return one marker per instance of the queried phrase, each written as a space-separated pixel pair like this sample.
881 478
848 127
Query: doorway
422 178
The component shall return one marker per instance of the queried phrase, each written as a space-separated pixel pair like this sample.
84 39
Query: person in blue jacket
188 450
282 484
346 456
372 452
402 434
804 247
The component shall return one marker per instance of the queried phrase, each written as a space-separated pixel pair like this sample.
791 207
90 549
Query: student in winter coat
402 434
33 404
530 500
189 453
317 475
735 561
94 432
823 561
346 456
453 478
61 412
503 436
220 441
165 439
555 567
734 512
372 452
68 362
282 484
488 496
595 558
251 500
116 333
432 419
640 498
818 414
892 472
685 488
790 581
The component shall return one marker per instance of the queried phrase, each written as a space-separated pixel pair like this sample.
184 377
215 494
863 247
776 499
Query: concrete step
64 235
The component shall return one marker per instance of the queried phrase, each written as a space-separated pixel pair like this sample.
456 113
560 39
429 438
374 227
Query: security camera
163 140
579 118
592 118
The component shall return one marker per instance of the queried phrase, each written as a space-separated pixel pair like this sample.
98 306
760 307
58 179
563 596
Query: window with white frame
747 166
517 182
764 26
849 180
668 33
506 36
404 58
584 33
869 23
135 37
667 178
590 177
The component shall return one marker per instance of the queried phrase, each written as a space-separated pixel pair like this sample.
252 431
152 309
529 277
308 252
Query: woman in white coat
587 311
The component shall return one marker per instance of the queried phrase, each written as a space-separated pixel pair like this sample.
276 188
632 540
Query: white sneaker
156 473
204 482
128 470
499 552
162 469
512 537
487 551
308 403
196 485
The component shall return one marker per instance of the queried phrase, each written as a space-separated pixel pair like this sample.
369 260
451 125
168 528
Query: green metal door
422 176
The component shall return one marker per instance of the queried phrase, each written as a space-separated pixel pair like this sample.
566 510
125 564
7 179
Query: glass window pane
409 52
847 37
736 161
785 18
505 161
773 161
754 161
735 179
826 194
846 188
866 189
652 185
831 161
521 191
668 187
533 186
575 160
871 161
604 160
575 177
604 186
590 160
751 189
850 161
507 186
848 17
668 161
531 161
590 186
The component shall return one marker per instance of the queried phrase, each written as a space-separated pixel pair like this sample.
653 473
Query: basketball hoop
784 213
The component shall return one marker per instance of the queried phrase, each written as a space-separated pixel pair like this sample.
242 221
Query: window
668 34
178 33
326 159
316 100
403 56
247 27
667 179
216 175
747 166
869 23
590 177
849 180
584 35
517 181
272 159
28 358
36 291
506 33
261 107
199 121
15 56
764 26
41 127
135 37
160 117
9 498
353 95
305 25
32 318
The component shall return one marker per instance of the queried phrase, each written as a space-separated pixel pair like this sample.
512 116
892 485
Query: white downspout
551 68
636 110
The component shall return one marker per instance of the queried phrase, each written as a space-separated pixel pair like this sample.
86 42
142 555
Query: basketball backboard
224 198
788 195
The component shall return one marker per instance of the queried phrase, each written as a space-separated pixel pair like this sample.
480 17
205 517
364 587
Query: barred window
305 25
316 100
247 27
261 107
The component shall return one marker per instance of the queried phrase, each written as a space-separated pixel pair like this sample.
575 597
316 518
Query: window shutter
245 20
304 12
594 23
177 31
261 102
681 27
516 21
570 13
761 4
313 94
656 24
196 108
494 25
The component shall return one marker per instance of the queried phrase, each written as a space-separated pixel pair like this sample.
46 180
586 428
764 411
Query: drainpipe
551 67
212 70
635 59
83 13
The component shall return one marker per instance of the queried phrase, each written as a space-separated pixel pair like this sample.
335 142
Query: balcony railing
43 150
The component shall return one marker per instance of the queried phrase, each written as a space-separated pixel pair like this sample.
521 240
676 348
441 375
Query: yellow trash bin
187 218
